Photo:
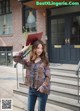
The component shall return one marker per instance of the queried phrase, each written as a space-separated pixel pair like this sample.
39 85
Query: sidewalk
8 83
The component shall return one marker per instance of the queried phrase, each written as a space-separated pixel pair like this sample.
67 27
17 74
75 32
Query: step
70 67
56 83
61 91
20 106
19 102
66 69
21 91
51 107
64 83
67 76
64 102
15 108
56 100
64 92
68 82
56 73
52 69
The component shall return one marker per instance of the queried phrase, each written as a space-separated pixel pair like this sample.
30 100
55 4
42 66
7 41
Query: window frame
4 8
25 8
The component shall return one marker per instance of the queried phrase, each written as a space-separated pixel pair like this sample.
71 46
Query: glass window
5 17
75 31
29 19
57 31
6 24
5 7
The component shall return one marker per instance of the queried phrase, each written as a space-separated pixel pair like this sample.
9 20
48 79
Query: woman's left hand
40 89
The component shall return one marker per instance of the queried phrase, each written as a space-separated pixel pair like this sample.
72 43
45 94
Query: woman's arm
19 56
46 84
47 76
25 48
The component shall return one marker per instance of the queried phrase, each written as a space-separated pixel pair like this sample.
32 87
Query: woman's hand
25 48
40 89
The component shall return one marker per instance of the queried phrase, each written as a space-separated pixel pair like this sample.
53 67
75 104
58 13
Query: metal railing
77 73
17 74
23 66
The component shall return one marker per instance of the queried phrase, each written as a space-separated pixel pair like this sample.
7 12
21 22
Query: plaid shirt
36 74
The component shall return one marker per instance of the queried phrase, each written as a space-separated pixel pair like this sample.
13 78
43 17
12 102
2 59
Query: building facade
11 24
60 26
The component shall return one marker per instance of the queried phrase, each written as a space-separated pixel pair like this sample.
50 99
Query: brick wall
16 40
41 22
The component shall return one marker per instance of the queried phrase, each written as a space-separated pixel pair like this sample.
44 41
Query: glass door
64 39
58 47
73 39
75 31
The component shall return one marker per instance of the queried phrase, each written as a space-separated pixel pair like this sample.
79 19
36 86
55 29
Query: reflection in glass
75 31
57 32
31 21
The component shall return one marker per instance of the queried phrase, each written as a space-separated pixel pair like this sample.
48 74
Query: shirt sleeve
47 76
45 87
19 59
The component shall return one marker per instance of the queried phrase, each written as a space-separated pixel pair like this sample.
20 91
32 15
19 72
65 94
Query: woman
37 75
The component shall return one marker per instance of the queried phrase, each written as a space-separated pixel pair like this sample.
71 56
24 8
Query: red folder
33 37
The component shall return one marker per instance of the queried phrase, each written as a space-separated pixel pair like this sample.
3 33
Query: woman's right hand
25 48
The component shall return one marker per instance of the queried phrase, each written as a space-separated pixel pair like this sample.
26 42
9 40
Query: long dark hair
43 56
